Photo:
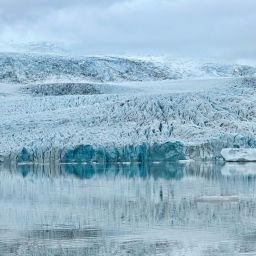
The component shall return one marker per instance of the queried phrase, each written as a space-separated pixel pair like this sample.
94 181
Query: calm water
162 209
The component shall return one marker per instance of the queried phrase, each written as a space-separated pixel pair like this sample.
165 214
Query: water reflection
163 170
128 209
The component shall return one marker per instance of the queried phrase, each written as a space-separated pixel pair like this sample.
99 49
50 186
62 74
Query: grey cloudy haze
185 28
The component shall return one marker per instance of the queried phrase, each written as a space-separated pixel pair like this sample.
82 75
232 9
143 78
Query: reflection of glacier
160 170
126 207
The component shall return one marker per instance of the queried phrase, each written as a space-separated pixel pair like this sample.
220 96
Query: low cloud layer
185 28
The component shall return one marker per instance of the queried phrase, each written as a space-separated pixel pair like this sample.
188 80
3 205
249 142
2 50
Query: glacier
123 109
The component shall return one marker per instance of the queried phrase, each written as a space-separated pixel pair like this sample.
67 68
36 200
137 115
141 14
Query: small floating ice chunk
217 199
187 161
239 154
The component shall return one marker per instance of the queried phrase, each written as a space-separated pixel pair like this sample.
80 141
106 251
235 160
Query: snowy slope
50 105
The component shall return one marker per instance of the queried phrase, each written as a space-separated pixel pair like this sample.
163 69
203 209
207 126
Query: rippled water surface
159 209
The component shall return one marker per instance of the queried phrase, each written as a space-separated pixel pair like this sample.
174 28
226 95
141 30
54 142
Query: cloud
193 28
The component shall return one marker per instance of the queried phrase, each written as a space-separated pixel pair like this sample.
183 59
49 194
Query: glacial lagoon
175 209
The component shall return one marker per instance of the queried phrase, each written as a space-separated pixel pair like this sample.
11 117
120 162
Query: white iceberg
239 154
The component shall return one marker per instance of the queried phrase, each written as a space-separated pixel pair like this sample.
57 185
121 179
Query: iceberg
239 154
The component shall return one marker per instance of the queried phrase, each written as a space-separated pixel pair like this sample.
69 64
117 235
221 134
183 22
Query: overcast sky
184 28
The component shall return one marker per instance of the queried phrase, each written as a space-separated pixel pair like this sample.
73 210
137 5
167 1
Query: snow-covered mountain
27 68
